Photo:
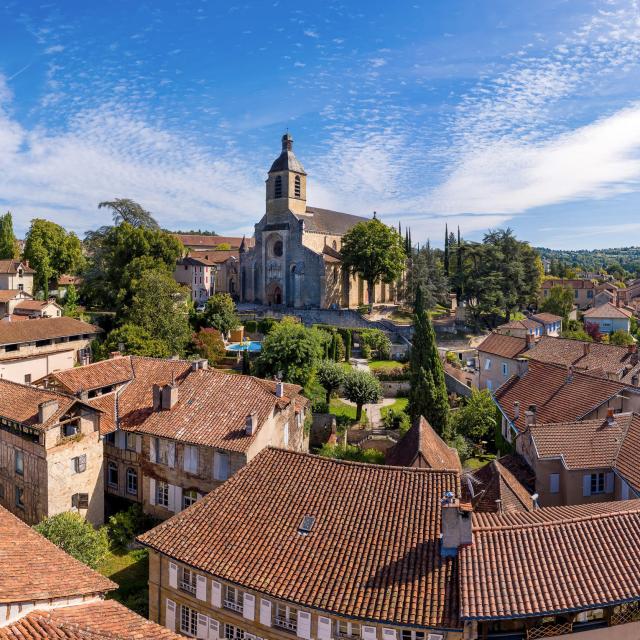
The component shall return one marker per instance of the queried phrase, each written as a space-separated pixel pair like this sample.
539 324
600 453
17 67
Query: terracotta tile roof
607 310
66 280
503 346
574 284
35 569
626 460
212 410
8 294
11 266
215 257
551 560
493 482
422 447
588 444
546 318
525 323
44 329
196 240
94 376
101 620
33 305
106 404
372 554
556 398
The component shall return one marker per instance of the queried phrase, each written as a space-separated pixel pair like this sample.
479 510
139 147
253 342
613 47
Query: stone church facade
296 260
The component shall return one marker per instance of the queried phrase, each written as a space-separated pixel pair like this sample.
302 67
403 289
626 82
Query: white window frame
188 581
189 616
110 467
285 436
128 439
162 491
412 634
233 599
285 617
131 473
187 499
231 632
19 462
345 629
487 364
190 458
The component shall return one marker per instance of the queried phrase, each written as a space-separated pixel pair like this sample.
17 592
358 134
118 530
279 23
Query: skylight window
307 524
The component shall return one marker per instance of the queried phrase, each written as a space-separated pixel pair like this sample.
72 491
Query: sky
477 113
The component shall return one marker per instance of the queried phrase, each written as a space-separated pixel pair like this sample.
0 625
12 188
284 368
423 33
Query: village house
32 349
500 357
50 454
9 298
609 318
209 272
174 430
16 275
37 309
47 594
584 290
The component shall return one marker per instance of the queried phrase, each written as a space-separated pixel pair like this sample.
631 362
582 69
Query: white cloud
311 34
56 48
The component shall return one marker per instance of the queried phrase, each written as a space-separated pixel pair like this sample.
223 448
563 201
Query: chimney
530 340
157 397
516 410
114 354
279 389
46 410
570 373
530 415
201 363
634 379
169 396
456 526
251 424
523 366
611 420
586 348
632 348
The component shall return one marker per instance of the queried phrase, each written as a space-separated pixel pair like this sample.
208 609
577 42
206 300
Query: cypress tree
8 242
428 393
347 345
446 249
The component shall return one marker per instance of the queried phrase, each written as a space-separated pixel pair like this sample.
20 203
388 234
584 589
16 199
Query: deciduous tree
136 341
559 301
476 419
330 375
362 388
220 313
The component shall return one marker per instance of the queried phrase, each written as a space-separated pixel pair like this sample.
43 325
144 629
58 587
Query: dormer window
296 188
277 192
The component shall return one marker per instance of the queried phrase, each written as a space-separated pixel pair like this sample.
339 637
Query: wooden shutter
152 491
248 606
202 630
138 443
324 628
265 612
216 465
216 594
173 575
214 629
171 454
586 484
153 452
175 498
170 615
608 483
121 440
201 588
368 633
304 625
389 634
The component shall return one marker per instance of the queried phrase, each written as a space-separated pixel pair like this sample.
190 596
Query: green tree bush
330 375
352 453
8 243
208 344
135 341
621 338
362 388
220 313
559 301
476 419
378 343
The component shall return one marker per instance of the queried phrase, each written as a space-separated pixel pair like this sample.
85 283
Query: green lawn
130 571
384 364
399 405
339 408
477 462
401 317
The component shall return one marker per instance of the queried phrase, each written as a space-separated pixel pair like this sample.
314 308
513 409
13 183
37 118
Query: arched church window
277 248
335 245
277 193
297 186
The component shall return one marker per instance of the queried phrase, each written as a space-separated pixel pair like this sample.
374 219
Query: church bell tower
287 182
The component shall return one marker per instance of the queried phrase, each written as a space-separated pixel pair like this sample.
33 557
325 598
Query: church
295 259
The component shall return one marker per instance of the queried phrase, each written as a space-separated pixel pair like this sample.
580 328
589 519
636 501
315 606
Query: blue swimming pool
252 345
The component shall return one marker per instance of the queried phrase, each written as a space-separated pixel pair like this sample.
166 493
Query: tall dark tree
428 393
446 250
8 243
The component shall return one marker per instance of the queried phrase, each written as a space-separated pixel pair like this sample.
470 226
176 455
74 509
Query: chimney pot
157 397
530 415
456 526
251 423
586 348
279 389
516 409
46 410
169 396
570 373
610 417
114 354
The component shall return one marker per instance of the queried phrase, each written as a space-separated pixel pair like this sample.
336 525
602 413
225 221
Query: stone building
50 454
16 275
296 257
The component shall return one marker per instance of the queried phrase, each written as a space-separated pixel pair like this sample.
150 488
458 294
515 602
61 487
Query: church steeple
287 181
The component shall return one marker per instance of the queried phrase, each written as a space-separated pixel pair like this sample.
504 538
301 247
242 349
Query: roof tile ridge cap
623 437
66 625
559 521
68 396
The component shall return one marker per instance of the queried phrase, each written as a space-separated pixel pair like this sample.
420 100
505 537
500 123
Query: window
489 385
110 438
191 459
80 501
296 188
19 462
189 497
112 474
347 629
233 599
69 430
554 483
162 494
132 482
188 581
487 364
505 369
277 248
413 635
20 497
220 465
597 483
233 633
164 451
285 437
27 378
277 189
20 287
80 463
575 293
130 441
589 294
188 620
286 618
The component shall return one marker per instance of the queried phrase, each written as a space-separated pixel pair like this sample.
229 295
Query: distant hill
625 260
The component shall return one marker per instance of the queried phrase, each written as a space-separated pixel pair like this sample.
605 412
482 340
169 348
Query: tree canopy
559 301
136 341
330 375
220 313
126 210
362 388
476 419
8 243
209 344
374 251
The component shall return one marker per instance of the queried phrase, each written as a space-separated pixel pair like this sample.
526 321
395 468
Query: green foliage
250 326
462 446
622 263
577 334
208 344
362 388
396 419
71 302
428 272
129 211
125 525
220 313
266 325
374 251
72 533
159 306
8 243
223 246
428 395
51 251
292 350
135 341
391 372
377 341
330 375
352 453
559 301
476 419
621 338
346 336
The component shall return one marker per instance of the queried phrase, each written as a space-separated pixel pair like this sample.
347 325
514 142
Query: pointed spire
243 245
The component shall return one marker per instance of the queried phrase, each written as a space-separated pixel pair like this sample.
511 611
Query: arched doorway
274 294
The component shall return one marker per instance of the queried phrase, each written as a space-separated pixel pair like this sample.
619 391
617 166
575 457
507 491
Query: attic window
306 525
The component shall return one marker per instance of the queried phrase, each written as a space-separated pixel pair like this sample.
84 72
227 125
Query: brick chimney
611 420
251 423
570 373
169 396
516 410
157 397
279 389
456 526
586 348
46 410
201 363
530 415
530 340
523 366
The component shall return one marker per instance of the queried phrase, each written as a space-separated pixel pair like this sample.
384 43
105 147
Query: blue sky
479 113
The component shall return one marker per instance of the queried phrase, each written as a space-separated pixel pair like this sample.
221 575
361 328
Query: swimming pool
251 345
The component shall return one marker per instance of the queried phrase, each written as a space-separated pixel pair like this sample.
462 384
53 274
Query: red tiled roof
44 329
626 460
421 446
556 398
551 560
11 266
101 620
547 318
214 256
574 284
503 346
35 569
65 280
525 323
33 305
373 552
607 310
196 240
8 294
106 404
94 376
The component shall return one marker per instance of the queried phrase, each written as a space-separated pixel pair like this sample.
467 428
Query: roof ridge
68 396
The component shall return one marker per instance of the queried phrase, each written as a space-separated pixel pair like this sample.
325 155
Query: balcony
233 605
284 623
188 587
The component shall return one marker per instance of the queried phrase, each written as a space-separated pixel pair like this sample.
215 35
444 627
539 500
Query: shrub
250 326
125 525
266 324
346 336
351 452
377 341
396 419
392 374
